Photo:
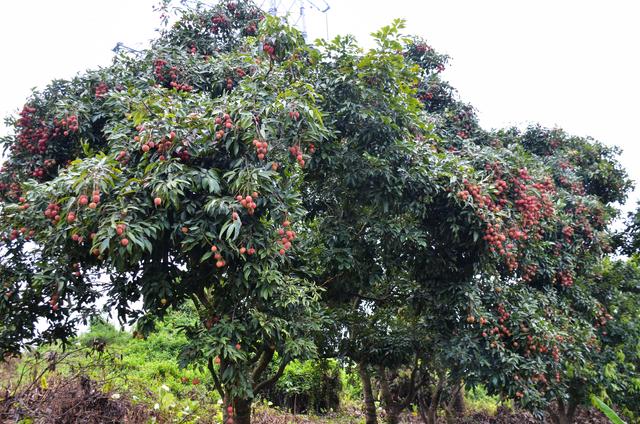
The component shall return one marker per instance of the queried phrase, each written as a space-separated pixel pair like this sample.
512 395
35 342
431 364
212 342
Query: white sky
569 63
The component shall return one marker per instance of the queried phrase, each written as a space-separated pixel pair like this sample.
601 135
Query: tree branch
274 378
203 299
265 358
216 381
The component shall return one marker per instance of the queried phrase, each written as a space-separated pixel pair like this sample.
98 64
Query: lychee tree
464 228
535 339
166 178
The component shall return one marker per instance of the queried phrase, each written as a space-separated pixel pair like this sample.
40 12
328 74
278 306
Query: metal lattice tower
286 8
283 8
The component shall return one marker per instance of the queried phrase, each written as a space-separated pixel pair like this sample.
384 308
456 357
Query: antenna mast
299 21
273 7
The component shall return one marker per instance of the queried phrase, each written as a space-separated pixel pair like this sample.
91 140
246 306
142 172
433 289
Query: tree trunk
369 404
455 406
458 400
390 406
563 414
432 414
241 411
423 405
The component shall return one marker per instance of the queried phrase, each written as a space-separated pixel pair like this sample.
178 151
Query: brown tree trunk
432 414
563 414
369 404
390 406
241 411
458 400
455 406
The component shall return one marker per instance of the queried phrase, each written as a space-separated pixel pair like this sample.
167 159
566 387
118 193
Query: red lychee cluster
91 202
77 238
181 87
251 29
211 321
168 75
497 243
23 203
15 233
261 148
269 50
230 414
53 302
219 23
602 317
159 66
495 237
564 278
220 262
250 251
33 135
248 202
120 228
53 212
38 172
501 186
423 48
428 95
101 90
181 153
287 236
294 115
122 157
297 152
65 125
474 191
162 146
529 272
225 123
533 208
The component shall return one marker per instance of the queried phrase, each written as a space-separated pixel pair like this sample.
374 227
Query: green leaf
604 408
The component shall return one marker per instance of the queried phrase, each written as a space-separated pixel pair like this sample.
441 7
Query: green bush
352 385
477 399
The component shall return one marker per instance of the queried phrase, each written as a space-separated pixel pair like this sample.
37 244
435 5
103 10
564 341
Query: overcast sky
568 63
